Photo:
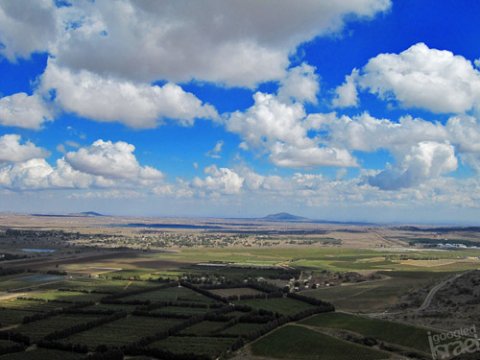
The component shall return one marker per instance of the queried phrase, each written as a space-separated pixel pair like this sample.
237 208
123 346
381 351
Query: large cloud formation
123 62
26 27
12 150
238 43
103 164
422 150
426 160
111 160
419 77
106 55
24 111
135 104
276 125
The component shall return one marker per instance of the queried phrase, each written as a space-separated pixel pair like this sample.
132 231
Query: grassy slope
396 333
375 296
295 342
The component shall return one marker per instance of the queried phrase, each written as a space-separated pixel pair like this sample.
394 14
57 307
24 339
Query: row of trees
15 337
325 306
74 308
11 347
116 298
160 304
203 292
61 334
4 272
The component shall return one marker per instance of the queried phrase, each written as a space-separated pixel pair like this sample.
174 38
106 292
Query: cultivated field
198 292
391 332
209 346
282 306
39 329
122 331
299 343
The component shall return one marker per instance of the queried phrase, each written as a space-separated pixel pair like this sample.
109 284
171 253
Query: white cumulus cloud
421 77
24 111
425 161
26 27
111 160
12 150
300 84
346 95
281 130
219 181
237 43
134 104
103 165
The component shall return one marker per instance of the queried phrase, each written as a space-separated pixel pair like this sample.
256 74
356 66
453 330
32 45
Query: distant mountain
82 214
283 216
88 213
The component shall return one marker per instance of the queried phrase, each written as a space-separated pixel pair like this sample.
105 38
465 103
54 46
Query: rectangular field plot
181 310
112 307
299 343
284 306
204 328
71 296
31 305
21 281
6 343
107 286
242 329
42 354
209 346
236 292
235 314
392 332
170 294
7 346
13 316
122 331
38 329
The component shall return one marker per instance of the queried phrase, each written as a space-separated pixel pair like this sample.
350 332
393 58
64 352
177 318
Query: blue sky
361 110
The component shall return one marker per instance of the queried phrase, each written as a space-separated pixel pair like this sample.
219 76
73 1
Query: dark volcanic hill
88 213
284 217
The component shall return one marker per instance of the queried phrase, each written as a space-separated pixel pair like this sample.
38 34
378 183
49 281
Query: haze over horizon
346 111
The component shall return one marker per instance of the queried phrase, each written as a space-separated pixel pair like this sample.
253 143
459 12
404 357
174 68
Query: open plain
230 288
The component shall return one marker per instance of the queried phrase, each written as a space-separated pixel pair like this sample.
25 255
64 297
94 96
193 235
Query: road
428 300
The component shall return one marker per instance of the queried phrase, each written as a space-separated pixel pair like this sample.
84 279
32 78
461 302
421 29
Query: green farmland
391 332
378 295
42 354
299 343
213 310
209 346
204 328
284 306
169 294
38 329
122 331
